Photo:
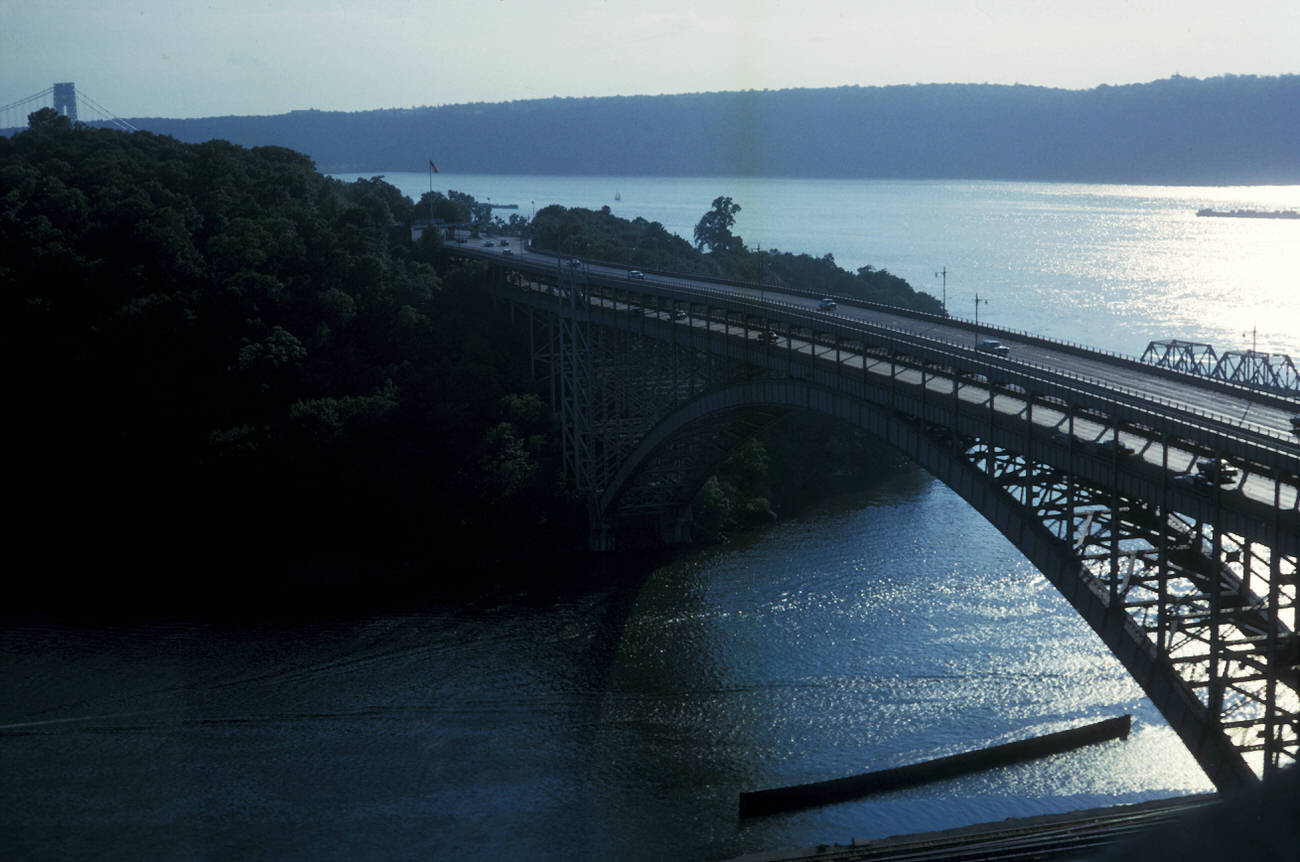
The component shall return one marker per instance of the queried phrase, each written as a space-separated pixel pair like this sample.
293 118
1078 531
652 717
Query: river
1110 266
620 715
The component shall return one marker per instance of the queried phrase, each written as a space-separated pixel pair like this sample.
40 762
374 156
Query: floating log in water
839 789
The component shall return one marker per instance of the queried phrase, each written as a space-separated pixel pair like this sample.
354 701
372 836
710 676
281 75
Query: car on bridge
997 348
679 315
1063 438
769 336
635 273
826 304
506 251
1295 424
1193 481
1217 470
1111 446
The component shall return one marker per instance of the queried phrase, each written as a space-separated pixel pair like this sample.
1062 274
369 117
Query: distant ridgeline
1217 131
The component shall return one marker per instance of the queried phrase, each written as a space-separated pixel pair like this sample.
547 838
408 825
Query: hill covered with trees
1226 130
221 362
230 372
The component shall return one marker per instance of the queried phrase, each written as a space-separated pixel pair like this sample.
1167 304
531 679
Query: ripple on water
861 639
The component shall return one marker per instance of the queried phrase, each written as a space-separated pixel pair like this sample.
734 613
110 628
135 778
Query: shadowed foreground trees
219 355
226 369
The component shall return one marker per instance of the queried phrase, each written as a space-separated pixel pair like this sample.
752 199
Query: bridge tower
65 100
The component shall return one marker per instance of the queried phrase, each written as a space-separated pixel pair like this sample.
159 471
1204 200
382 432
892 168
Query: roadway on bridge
1245 409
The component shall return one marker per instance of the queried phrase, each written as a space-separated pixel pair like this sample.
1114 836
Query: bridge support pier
600 535
669 527
675 526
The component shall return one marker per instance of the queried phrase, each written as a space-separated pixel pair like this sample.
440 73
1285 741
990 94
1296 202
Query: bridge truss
1191 584
1273 372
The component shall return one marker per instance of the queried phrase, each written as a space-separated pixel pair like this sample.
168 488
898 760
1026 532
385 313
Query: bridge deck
1247 408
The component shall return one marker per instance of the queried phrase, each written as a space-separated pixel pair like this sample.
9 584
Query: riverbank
1045 838
1257 824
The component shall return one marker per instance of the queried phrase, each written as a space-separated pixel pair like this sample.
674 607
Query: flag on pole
432 167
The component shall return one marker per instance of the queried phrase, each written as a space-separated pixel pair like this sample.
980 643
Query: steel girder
1272 371
1190 356
1220 656
611 385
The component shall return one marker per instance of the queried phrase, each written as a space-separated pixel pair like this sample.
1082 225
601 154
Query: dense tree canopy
221 361
219 350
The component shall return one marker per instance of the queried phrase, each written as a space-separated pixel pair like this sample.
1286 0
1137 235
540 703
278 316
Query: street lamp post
977 316
944 273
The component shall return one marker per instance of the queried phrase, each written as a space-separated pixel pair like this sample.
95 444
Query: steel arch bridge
1189 579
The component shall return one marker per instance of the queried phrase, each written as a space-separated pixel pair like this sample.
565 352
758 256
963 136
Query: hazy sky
178 58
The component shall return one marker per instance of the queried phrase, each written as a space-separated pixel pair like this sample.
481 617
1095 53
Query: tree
47 120
714 229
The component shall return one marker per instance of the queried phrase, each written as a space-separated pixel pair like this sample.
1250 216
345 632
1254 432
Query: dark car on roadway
997 348
1217 470
1111 446
1193 481
826 304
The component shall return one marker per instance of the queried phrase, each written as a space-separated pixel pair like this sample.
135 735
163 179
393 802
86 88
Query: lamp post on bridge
977 316
944 273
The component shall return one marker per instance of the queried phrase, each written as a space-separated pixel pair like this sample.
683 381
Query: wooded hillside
1227 130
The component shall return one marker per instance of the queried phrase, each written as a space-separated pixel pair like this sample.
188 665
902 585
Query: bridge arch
1192 586
669 464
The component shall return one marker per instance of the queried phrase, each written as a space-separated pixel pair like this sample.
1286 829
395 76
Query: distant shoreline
1158 133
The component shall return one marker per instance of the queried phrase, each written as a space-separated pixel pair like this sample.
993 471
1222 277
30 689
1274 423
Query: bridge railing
971 357
1259 444
1074 348
734 331
973 361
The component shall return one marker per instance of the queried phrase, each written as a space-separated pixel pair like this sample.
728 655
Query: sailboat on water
618 196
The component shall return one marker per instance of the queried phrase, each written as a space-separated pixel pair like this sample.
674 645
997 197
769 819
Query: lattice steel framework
1193 595
1190 356
1274 372
611 385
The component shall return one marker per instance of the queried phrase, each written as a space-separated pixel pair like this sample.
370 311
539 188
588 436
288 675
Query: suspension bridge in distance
66 100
